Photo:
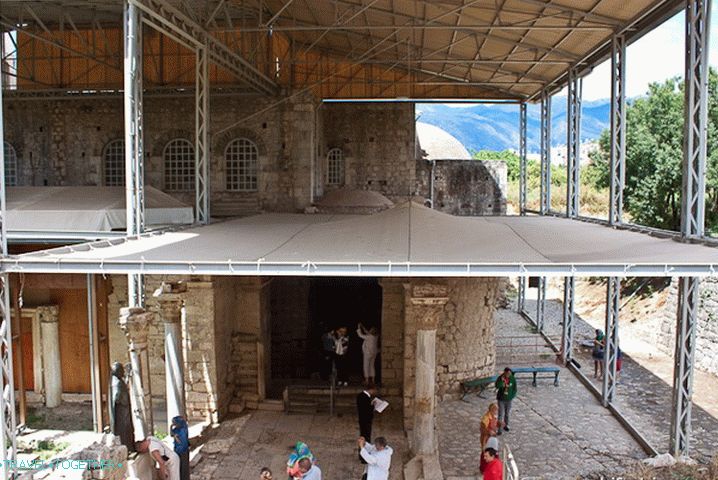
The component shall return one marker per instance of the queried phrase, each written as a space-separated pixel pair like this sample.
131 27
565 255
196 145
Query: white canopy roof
407 240
86 209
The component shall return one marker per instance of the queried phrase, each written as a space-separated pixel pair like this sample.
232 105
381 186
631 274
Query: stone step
271 406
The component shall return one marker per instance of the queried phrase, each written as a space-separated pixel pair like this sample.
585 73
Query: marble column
51 364
135 322
427 303
171 305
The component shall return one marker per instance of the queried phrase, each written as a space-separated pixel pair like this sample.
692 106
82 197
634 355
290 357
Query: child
265 474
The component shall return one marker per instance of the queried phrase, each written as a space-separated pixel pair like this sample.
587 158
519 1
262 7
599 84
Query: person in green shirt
505 393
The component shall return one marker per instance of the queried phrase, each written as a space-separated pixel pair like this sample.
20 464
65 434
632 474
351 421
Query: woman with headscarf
599 342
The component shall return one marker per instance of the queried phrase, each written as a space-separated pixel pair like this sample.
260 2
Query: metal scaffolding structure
684 358
521 302
573 143
540 304
134 141
522 158
8 447
697 19
545 194
202 214
569 306
610 351
617 162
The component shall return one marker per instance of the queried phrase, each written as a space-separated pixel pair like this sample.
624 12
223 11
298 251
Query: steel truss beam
686 328
541 304
569 306
573 144
202 137
174 23
8 430
610 351
134 142
617 163
545 195
696 121
522 158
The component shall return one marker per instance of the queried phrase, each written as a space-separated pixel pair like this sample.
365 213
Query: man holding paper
378 458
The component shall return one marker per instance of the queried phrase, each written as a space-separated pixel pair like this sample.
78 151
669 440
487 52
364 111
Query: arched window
335 166
113 163
10 165
179 166
240 158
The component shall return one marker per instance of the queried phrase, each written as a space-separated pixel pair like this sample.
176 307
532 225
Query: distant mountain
496 127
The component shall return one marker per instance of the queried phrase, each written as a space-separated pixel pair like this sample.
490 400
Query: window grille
241 164
335 167
10 165
113 159
179 166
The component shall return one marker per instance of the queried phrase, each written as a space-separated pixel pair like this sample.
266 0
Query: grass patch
47 449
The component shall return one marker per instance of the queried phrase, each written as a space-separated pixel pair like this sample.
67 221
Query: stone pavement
556 432
644 393
241 446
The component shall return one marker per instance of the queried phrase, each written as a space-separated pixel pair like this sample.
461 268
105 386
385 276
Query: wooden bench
535 371
480 384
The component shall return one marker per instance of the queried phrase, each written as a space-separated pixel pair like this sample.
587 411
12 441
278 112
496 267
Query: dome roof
438 144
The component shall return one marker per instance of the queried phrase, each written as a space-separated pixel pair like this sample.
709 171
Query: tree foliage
654 153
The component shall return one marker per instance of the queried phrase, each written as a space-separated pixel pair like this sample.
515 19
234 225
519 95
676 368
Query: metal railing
511 470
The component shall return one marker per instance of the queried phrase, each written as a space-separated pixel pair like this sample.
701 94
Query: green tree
654 153
511 159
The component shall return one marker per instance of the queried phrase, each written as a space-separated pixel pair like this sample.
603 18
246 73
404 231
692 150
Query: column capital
428 300
48 313
135 322
170 308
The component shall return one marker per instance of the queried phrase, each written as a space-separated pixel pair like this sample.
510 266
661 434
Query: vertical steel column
545 200
573 144
522 158
8 447
202 136
686 327
94 336
617 164
521 305
696 121
698 13
569 306
610 352
134 161
540 304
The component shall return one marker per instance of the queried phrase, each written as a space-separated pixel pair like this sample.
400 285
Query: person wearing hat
505 393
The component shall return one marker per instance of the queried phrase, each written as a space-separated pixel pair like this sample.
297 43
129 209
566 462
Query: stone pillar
51 364
427 302
135 322
171 313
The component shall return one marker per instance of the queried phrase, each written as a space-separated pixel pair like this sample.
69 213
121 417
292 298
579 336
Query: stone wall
61 143
707 335
392 338
465 345
464 187
377 140
205 357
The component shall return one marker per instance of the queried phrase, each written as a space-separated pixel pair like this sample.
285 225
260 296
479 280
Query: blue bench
535 371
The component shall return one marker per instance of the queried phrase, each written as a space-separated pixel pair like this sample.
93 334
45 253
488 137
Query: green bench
550 372
480 384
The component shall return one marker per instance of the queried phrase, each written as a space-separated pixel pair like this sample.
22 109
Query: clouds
653 58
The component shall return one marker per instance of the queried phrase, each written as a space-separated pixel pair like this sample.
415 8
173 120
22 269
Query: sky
655 57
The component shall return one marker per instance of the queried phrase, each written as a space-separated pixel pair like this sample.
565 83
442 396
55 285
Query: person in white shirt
341 342
377 457
167 460
369 349
309 470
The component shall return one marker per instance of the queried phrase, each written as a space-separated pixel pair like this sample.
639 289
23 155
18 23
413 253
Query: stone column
135 322
51 364
427 302
171 313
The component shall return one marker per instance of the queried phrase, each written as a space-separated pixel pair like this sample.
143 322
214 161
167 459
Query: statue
120 408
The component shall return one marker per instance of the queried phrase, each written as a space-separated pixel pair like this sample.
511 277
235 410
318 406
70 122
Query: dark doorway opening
303 309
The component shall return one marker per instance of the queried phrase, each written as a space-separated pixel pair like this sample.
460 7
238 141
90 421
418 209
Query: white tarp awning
86 209
407 240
